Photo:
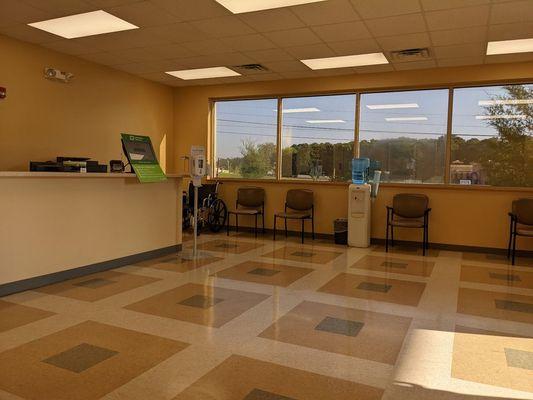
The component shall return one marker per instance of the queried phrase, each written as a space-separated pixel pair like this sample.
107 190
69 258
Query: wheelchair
212 211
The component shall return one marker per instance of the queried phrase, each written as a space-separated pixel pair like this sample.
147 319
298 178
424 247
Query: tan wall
41 119
460 216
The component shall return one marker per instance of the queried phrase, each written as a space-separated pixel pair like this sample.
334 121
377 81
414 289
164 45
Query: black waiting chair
250 201
409 210
521 224
299 205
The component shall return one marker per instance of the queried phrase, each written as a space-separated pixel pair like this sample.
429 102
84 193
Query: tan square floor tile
497 276
395 265
373 288
243 378
498 259
97 286
177 263
513 307
304 254
342 330
83 362
232 246
494 359
203 305
14 315
407 249
267 273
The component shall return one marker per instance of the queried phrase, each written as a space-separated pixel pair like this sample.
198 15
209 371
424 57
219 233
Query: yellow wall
41 119
470 217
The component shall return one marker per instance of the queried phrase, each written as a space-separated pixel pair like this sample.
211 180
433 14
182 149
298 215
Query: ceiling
185 34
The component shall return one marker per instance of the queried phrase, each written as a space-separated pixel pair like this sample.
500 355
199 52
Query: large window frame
356 148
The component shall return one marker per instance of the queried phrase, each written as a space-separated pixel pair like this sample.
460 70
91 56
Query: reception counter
58 225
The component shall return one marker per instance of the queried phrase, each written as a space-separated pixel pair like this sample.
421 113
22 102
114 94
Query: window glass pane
492 141
245 138
405 132
317 137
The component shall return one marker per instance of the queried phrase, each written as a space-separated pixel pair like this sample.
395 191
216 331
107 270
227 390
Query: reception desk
58 225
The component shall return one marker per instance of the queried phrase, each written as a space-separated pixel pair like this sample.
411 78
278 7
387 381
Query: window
405 133
318 137
492 141
245 138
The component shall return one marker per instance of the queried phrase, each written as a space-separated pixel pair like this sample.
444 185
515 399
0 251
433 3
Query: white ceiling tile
223 26
433 5
509 58
142 14
215 60
267 76
269 55
272 20
208 47
457 18
458 61
70 46
326 12
160 77
334 72
517 30
137 55
18 11
318 50
28 34
474 34
399 25
61 8
136 68
385 8
368 69
362 46
190 10
172 51
124 40
461 50
249 42
516 11
415 65
401 42
178 33
298 74
104 58
110 3
286 66
293 37
344 31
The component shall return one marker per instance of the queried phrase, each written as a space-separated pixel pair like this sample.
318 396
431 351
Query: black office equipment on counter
68 164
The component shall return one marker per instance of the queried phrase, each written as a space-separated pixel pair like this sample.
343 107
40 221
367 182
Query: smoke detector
57 75
251 67
410 54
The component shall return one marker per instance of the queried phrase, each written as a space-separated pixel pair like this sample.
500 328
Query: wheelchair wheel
218 212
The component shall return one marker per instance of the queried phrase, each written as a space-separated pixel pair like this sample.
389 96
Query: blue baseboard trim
43 280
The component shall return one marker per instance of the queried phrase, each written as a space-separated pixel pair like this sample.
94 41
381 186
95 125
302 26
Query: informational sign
142 158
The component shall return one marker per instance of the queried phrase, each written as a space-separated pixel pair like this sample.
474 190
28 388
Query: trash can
340 229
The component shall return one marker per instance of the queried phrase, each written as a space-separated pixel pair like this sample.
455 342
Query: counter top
28 174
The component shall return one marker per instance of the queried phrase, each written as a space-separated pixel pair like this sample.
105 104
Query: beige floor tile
14 315
499 305
406 249
395 265
304 254
177 263
498 259
374 288
199 304
97 286
83 362
240 378
497 276
342 330
230 245
266 273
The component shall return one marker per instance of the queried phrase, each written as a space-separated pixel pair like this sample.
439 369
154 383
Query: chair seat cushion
524 230
245 211
293 215
408 223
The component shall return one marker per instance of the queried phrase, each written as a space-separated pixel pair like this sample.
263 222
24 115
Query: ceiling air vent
410 54
251 67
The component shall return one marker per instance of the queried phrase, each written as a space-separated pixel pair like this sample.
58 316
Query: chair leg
514 246
387 239
313 227
263 219
227 225
424 241
274 233
236 222
255 225
392 235
303 230
510 239
286 232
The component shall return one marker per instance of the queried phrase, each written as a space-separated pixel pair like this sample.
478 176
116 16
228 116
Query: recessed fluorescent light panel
203 73
407 119
242 6
503 116
326 121
391 106
504 102
358 60
86 24
299 110
510 46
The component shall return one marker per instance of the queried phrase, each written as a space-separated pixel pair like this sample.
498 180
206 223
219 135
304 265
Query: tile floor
263 320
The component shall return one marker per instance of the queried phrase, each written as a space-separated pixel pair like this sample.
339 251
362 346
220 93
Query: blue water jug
360 170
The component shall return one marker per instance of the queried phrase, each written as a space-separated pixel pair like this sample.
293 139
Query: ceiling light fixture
406 119
299 110
203 73
504 102
503 116
86 24
326 121
391 106
242 6
510 46
357 60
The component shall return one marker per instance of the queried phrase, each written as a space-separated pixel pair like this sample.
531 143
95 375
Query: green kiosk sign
142 158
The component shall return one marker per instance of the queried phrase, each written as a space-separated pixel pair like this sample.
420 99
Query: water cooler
359 215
